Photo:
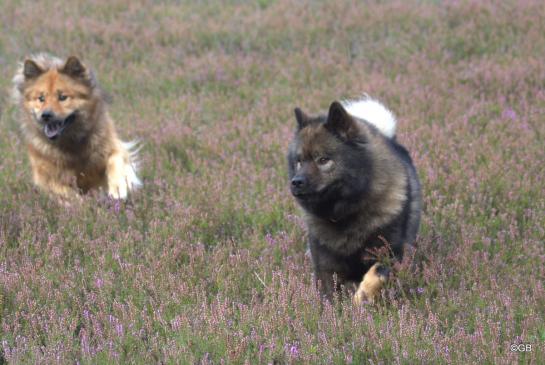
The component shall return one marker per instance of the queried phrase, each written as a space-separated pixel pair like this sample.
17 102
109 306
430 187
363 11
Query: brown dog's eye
323 160
41 98
62 97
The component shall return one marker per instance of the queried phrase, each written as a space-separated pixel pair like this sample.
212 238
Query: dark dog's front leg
326 282
328 269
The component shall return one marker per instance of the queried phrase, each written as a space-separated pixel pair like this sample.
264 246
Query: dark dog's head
56 94
329 159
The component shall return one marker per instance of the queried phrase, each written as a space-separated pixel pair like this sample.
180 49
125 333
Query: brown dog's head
329 160
56 95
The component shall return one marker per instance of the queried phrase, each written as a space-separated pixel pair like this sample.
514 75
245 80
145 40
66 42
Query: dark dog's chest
349 260
359 239
344 239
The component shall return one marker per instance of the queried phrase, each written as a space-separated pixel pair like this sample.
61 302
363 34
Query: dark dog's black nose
297 181
47 115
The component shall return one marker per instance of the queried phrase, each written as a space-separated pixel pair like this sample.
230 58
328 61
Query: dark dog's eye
323 160
41 98
62 97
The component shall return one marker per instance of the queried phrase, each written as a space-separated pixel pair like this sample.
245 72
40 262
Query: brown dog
72 143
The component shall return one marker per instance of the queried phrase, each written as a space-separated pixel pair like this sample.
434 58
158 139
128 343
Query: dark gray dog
359 191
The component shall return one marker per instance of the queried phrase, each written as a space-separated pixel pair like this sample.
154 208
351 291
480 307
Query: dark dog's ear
74 68
31 70
339 122
302 118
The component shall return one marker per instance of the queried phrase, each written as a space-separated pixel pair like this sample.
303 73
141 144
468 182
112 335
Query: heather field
206 264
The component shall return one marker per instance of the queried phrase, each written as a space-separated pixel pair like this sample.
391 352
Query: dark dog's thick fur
359 191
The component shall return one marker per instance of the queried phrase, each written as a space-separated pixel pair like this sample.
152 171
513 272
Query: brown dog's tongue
52 129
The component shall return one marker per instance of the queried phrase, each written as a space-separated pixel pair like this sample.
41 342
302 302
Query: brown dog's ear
339 122
31 70
74 68
302 118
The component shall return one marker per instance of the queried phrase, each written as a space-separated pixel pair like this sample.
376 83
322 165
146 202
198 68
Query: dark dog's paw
371 284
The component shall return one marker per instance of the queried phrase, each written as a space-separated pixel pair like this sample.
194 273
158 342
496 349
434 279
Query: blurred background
206 264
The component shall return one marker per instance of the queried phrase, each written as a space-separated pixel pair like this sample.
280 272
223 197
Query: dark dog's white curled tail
373 112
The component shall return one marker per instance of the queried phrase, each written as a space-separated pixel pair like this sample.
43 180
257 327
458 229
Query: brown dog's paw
371 284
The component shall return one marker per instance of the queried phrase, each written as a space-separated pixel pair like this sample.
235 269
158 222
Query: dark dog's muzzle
300 187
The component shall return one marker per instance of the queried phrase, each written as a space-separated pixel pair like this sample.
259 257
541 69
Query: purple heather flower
509 113
294 351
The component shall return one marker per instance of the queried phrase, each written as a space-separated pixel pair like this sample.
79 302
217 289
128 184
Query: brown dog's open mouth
54 129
